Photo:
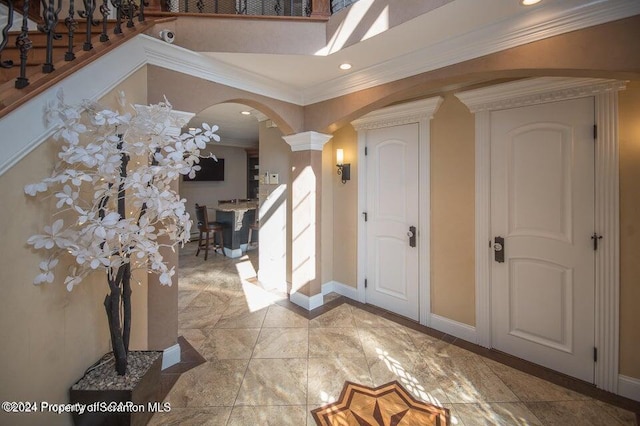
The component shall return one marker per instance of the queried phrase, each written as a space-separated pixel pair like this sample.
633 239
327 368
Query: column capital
307 141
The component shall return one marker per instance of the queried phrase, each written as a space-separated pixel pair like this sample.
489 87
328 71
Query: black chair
206 228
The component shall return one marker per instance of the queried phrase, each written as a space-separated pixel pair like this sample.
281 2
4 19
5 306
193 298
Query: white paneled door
392 216
542 205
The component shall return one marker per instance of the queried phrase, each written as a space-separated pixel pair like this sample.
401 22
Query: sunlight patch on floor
410 382
256 297
245 268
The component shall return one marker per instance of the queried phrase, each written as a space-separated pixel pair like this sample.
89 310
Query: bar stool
255 226
205 227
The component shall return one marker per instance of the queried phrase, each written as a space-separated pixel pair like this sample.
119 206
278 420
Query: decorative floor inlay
386 405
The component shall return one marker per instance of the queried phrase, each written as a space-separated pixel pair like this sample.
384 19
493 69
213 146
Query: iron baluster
241 7
104 11
143 4
89 8
23 42
72 25
130 7
307 8
50 20
277 7
200 6
5 35
117 4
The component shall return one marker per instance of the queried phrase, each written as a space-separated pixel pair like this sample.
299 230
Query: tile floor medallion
260 361
386 405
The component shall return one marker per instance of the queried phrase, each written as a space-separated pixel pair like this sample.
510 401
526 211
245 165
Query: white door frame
420 112
537 91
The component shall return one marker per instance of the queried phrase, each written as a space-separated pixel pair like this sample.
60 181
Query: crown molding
185 61
396 115
541 22
535 91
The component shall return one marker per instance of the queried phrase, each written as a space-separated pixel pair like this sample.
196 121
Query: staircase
42 74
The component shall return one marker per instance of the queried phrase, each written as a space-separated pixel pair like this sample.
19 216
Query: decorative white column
306 193
607 326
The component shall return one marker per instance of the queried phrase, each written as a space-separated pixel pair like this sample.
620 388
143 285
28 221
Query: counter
235 219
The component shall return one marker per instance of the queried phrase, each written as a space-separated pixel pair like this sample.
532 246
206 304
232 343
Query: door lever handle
412 236
498 249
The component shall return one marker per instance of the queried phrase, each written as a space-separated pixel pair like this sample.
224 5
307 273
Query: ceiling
456 30
236 129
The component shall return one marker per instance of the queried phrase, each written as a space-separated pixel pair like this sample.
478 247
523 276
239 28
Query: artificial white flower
49 238
46 275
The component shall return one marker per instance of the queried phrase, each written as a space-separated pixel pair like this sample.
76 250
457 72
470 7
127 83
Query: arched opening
246 192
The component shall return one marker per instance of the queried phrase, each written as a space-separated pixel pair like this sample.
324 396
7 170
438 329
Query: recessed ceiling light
345 66
529 2
245 113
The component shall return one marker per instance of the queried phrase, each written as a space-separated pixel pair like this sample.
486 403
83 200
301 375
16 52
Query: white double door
542 205
392 217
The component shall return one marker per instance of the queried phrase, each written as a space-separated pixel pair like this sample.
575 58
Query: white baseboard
454 328
309 303
341 289
629 387
171 356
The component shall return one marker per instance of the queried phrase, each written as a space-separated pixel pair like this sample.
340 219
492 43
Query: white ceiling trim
185 61
540 23
396 115
535 91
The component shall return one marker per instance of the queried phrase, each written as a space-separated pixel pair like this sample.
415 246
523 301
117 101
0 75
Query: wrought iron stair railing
241 7
51 28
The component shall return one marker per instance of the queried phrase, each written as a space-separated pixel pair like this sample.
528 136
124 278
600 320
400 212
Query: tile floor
267 365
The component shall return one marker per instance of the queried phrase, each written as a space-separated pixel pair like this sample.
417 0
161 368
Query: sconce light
344 170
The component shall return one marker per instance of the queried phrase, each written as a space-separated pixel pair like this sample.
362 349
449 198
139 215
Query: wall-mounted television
210 170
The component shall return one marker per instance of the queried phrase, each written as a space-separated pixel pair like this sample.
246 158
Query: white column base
171 356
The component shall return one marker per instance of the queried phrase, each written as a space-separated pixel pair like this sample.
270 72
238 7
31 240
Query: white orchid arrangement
112 183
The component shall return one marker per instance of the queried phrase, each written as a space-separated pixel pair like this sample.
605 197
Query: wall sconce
344 170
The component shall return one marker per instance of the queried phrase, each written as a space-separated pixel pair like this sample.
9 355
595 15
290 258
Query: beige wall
326 238
345 209
192 94
50 336
452 212
374 13
629 127
227 34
